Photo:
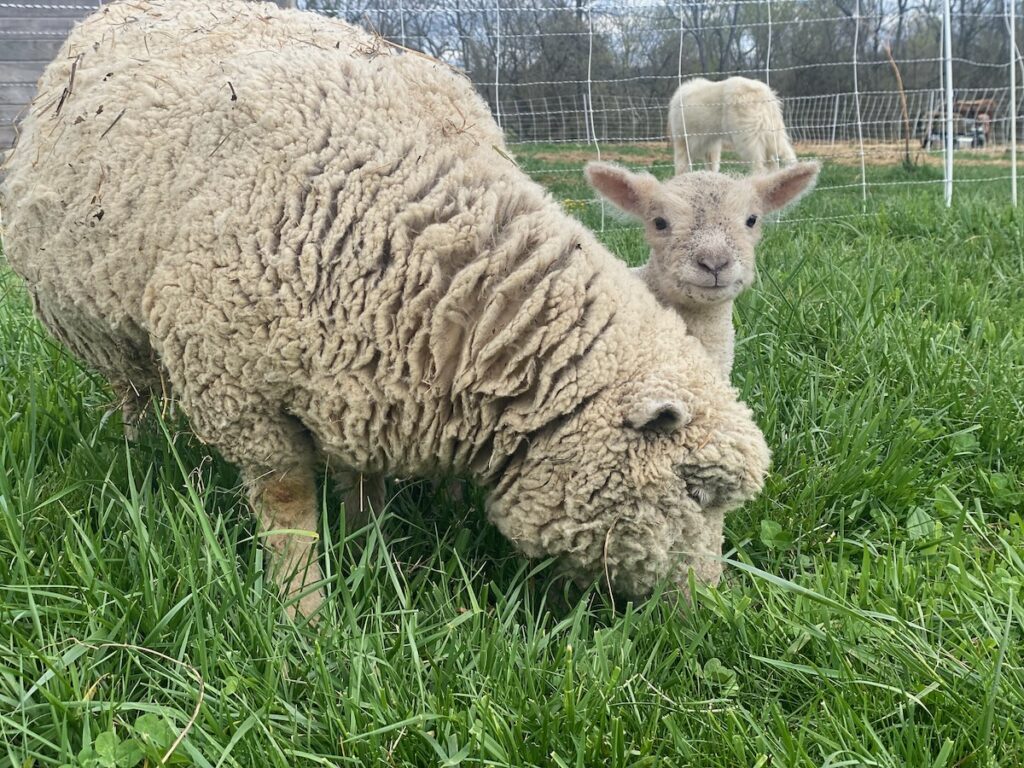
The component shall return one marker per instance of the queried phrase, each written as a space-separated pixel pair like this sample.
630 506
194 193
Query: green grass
872 614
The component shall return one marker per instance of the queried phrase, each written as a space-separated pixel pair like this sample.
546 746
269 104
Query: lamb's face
703 229
633 487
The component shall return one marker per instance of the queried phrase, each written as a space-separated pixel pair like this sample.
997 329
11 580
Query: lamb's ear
623 188
658 416
784 187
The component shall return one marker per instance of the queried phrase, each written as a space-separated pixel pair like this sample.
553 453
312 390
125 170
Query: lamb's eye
660 223
751 220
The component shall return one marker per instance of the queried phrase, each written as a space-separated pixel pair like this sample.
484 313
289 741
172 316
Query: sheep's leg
363 494
239 414
286 503
124 358
277 460
682 155
754 153
715 156
457 491
134 401
760 154
137 390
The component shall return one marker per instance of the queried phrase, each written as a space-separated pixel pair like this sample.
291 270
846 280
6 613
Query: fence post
821 135
931 121
856 100
947 39
1013 101
835 120
679 77
497 62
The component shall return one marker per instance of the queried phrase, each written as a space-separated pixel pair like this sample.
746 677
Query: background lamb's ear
658 416
784 187
625 189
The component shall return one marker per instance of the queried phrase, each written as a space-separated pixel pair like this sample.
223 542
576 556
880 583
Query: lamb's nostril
714 264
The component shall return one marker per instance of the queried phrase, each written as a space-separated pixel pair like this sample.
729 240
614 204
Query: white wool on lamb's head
702 227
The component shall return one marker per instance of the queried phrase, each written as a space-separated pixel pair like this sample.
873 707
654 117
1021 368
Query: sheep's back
753 108
698 102
170 128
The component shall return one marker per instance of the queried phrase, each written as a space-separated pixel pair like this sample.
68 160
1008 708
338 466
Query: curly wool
323 244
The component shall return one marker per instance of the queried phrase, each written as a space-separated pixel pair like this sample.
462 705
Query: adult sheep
742 113
322 243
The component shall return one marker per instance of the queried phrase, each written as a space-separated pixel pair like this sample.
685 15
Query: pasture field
872 612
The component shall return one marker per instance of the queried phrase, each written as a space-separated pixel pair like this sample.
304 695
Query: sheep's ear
658 416
625 189
784 187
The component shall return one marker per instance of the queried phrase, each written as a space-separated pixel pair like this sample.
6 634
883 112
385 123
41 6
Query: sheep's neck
712 325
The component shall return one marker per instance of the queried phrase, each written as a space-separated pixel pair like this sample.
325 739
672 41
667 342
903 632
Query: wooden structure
31 33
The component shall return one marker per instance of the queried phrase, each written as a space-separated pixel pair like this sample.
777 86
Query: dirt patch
876 154
844 153
651 153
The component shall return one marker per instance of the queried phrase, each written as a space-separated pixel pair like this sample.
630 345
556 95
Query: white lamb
320 242
703 229
739 112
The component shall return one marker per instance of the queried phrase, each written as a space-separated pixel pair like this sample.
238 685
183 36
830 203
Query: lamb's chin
711 295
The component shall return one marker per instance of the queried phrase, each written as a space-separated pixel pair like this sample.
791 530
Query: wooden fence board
44 10
17 94
27 27
26 49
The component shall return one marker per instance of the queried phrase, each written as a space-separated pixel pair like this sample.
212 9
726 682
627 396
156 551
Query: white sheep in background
703 229
739 112
321 243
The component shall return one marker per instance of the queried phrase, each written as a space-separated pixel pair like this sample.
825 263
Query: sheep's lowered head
633 486
702 227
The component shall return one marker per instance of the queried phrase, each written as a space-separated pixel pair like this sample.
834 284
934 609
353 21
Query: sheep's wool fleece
321 242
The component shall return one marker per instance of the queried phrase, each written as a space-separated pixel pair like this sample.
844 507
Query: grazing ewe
742 113
703 229
321 241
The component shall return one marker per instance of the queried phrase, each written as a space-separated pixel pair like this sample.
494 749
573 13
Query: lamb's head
702 227
633 486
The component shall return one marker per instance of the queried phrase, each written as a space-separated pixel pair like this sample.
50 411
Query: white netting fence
868 86
863 83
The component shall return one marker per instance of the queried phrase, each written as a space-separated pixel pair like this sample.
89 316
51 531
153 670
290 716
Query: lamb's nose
714 263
